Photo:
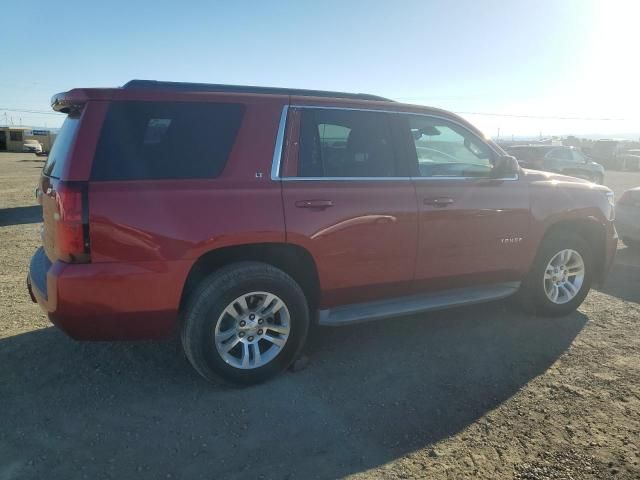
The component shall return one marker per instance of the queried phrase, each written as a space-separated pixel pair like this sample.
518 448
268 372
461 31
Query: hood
539 175
560 180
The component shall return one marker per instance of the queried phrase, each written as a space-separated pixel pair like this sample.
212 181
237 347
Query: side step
394 307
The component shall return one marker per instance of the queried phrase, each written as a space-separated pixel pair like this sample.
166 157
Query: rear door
348 202
472 228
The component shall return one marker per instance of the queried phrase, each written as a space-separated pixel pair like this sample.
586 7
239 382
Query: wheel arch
292 259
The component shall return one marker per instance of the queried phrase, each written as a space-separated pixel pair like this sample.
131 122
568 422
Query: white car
628 218
32 146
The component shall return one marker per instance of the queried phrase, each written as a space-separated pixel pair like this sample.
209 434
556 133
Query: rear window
59 154
162 140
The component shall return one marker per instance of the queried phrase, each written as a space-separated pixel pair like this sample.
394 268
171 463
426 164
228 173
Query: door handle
314 204
438 201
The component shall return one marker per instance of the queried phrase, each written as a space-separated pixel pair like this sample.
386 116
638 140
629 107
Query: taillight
72 222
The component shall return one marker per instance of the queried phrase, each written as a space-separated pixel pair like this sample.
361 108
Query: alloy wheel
563 276
252 330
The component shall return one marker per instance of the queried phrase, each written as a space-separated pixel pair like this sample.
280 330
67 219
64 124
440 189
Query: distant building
12 138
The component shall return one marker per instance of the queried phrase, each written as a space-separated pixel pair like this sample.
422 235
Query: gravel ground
482 392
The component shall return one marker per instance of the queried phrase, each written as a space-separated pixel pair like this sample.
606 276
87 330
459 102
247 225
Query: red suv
238 215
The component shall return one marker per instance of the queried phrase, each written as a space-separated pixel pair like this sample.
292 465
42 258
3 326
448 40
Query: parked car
560 159
32 146
628 217
608 153
630 159
239 215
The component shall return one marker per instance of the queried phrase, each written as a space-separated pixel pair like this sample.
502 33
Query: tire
630 243
207 320
598 179
533 294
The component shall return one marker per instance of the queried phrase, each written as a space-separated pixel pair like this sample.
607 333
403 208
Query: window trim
276 164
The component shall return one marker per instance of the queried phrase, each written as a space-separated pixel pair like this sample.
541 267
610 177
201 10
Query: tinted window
444 149
342 143
578 157
61 149
146 140
522 154
560 154
15 136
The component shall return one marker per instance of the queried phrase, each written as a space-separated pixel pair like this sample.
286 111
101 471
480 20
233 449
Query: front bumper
110 301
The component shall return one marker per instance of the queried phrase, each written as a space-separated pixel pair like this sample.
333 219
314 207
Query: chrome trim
367 179
342 179
514 177
277 151
277 154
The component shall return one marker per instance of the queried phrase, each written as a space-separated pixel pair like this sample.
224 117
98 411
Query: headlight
611 197
612 203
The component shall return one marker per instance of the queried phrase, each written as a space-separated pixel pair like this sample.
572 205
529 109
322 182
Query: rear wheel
597 178
245 323
561 276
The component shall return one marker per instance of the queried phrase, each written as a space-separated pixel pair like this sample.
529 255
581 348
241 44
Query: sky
513 66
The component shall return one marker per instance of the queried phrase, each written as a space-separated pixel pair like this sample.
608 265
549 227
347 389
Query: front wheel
561 276
245 323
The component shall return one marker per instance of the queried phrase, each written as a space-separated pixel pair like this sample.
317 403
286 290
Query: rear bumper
110 301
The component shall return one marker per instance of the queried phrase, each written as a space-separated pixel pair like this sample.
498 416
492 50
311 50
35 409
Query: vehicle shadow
370 394
20 215
623 280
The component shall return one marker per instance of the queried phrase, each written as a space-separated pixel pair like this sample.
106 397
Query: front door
3 140
472 228
346 203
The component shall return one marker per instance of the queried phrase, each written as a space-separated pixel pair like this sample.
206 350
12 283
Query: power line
540 117
38 112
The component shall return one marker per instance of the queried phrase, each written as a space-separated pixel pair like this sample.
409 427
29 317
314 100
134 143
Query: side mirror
505 166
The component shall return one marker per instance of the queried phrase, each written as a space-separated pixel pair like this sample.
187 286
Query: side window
560 154
165 140
444 149
15 135
345 143
578 157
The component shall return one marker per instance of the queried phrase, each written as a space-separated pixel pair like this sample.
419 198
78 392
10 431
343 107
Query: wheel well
292 259
592 231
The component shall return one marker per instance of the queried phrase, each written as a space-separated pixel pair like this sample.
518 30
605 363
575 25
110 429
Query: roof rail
212 87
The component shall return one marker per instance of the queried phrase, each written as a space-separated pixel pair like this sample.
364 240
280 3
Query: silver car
628 217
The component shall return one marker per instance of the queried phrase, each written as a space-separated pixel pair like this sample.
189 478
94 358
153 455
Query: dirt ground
482 392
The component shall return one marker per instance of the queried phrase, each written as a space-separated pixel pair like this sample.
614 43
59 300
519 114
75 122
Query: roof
213 87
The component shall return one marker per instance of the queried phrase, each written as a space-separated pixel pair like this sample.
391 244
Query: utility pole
498 138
